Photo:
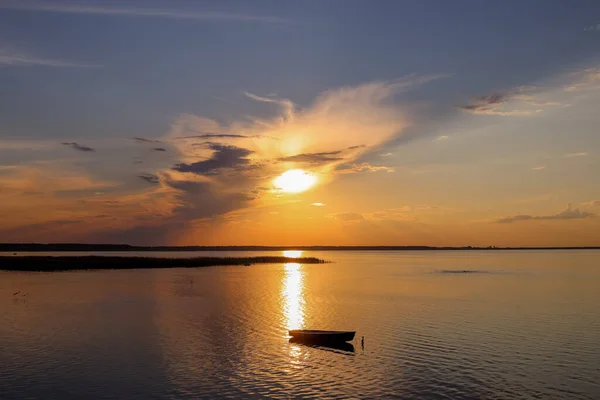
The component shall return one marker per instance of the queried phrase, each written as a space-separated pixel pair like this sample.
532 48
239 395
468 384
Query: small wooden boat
313 336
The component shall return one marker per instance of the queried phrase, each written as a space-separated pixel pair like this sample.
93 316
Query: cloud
20 59
567 214
182 14
314 158
362 167
150 178
515 102
347 217
539 168
77 146
588 78
570 155
386 154
440 138
591 28
215 135
201 199
144 140
360 146
286 105
159 149
224 156
591 203
317 204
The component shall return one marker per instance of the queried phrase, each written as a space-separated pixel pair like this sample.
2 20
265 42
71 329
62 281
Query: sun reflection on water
292 253
293 295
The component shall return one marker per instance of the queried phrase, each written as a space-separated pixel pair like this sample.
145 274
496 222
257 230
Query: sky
352 122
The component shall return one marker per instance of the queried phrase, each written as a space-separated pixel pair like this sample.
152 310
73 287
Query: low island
73 263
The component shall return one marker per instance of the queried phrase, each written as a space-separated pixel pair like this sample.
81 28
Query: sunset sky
393 122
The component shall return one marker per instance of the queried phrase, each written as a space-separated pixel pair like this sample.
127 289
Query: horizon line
65 246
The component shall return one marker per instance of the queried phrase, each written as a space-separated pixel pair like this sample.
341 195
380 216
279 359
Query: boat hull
317 337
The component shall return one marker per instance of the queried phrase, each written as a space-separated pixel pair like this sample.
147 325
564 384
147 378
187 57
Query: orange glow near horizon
292 253
295 181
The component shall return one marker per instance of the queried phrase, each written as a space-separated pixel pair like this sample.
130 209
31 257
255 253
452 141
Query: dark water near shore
516 325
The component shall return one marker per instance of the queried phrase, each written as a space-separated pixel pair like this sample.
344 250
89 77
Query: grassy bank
72 263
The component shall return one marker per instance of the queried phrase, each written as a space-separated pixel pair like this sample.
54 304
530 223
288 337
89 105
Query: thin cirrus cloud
314 158
181 14
348 217
78 147
571 155
354 168
138 139
567 214
515 102
318 204
10 58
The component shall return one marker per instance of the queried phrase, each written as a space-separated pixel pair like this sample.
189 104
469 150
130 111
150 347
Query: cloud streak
568 214
514 102
150 178
314 158
144 140
223 157
180 14
19 59
78 147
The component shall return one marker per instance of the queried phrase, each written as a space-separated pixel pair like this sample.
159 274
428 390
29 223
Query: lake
436 325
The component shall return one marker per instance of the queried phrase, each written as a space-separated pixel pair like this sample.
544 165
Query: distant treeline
54 247
72 263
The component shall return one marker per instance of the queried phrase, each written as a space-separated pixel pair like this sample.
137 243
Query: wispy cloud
159 149
347 217
314 158
362 167
286 105
514 102
20 59
582 154
215 136
182 14
591 203
150 178
318 204
440 138
591 28
78 147
567 214
144 140
588 78
539 168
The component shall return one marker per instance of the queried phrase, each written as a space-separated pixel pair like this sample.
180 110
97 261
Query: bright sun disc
294 181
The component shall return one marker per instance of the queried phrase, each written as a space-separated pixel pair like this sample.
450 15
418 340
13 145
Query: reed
72 263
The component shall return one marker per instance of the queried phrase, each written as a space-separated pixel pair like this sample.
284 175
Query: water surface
453 324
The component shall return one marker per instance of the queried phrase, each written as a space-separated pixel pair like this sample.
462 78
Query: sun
294 181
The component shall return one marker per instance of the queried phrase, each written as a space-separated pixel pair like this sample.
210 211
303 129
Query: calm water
526 325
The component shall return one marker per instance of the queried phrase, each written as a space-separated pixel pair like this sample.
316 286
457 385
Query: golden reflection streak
293 295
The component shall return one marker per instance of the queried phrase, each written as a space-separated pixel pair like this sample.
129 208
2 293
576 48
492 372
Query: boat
315 336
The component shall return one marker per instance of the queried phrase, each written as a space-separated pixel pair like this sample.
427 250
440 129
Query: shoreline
75 263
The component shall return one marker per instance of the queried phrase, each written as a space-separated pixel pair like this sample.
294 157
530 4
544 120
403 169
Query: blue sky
463 84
